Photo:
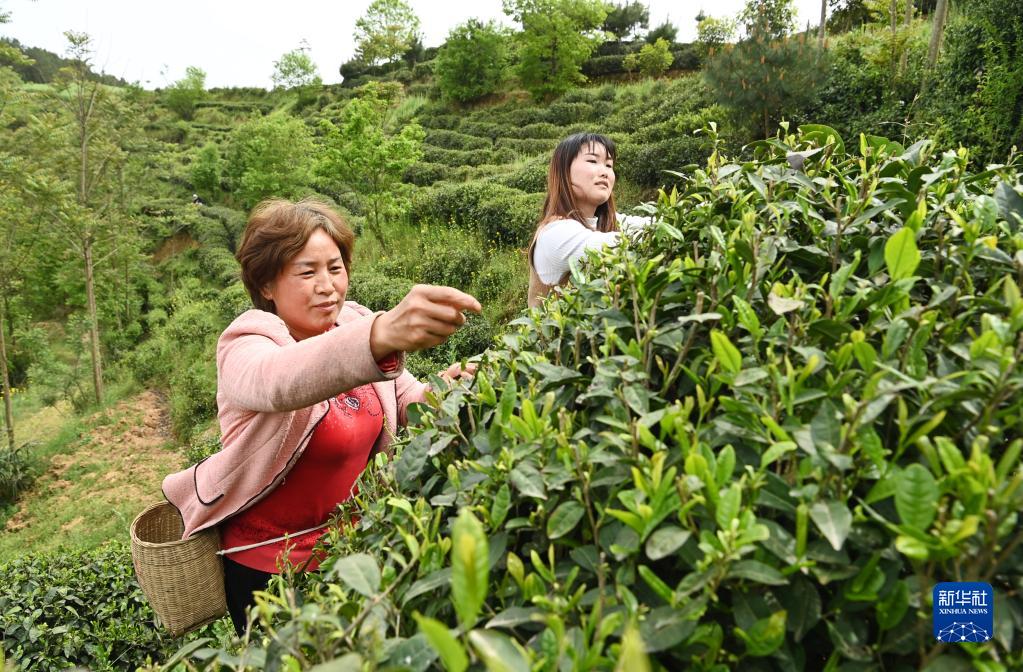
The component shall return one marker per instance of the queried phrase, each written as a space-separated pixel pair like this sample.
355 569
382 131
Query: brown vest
537 288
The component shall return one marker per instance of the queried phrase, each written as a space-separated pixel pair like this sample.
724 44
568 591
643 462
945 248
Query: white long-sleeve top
563 241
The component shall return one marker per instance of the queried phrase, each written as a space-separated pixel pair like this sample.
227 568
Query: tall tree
385 32
937 31
182 95
97 132
9 170
713 33
270 156
908 21
473 61
667 31
557 37
760 79
295 69
822 28
625 19
362 155
771 19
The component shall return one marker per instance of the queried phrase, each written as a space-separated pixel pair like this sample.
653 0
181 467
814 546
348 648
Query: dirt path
97 483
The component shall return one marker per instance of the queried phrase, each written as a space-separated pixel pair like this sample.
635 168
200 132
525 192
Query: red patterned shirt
322 477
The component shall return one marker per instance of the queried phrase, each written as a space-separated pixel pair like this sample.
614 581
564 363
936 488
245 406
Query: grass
94 472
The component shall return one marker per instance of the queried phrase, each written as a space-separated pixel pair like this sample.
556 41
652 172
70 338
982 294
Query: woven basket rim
152 509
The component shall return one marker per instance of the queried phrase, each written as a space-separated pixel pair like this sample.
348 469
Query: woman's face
592 177
310 289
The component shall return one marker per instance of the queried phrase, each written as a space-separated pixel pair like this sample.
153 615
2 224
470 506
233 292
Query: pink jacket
271 393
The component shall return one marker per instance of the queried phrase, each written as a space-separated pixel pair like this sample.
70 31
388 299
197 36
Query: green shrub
455 140
15 472
81 610
645 164
201 447
543 130
526 146
501 214
482 129
193 393
219 265
424 174
430 118
756 440
530 177
602 66
377 291
473 157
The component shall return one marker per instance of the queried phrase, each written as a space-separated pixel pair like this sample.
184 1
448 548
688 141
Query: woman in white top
579 212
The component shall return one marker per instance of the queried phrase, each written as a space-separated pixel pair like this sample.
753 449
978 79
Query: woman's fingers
450 296
426 317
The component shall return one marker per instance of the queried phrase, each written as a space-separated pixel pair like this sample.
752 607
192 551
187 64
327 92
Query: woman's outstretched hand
456 372
424 318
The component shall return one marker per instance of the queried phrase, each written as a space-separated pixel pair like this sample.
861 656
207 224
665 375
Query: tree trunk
6 382
937 29
904 59
90 290
821 31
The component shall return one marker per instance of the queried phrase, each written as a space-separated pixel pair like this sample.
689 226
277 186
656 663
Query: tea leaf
498 652
726 353
451 652
916 497
469 567
833 520
901 254
564 519
359 572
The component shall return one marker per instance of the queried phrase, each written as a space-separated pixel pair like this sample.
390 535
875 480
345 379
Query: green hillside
756 438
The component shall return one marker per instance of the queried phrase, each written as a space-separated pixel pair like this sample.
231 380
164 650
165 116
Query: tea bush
455 140
757 439
424 174
645 164
78 609
501 214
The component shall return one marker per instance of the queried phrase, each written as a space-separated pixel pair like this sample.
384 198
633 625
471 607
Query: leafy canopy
182 95
626 19
385 32
362 154
270 156
771 18
295 69
557 37
653 60
473 61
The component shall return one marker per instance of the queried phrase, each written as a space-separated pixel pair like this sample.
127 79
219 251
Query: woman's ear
267 292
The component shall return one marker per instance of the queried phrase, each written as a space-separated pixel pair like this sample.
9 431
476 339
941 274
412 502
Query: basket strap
236 549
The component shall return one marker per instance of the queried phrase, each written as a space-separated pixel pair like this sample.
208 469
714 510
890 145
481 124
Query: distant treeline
46 64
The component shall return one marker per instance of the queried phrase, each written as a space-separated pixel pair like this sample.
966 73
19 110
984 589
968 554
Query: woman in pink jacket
309 387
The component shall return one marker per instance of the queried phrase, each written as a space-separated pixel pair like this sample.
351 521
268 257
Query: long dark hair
560 202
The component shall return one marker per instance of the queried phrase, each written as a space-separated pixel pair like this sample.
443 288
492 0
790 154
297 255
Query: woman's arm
260 370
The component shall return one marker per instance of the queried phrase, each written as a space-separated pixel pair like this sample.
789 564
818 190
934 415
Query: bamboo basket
182 578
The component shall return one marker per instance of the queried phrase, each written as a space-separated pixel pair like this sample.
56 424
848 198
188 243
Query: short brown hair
276 232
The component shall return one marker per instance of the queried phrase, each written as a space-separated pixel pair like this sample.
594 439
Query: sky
236 43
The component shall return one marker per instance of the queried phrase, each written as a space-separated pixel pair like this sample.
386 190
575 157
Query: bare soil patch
92 491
